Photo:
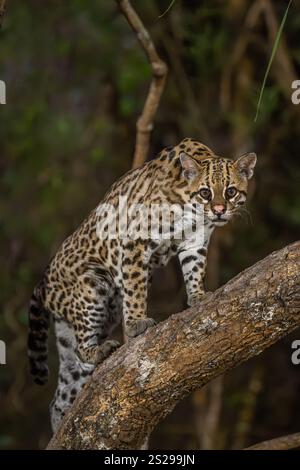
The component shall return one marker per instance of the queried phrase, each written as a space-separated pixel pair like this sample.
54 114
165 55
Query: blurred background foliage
76 82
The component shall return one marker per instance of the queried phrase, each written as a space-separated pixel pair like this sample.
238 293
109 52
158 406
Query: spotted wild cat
93 282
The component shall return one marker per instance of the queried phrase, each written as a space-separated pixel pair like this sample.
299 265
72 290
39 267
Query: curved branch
280 443
142 382
159 71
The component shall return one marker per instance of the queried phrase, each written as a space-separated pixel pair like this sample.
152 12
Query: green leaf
274 50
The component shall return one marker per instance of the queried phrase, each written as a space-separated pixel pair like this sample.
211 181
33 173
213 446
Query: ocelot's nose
218 209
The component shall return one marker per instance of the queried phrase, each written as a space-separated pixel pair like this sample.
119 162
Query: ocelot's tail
38 338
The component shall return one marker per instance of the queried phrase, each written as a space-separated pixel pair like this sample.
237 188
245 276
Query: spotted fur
91 284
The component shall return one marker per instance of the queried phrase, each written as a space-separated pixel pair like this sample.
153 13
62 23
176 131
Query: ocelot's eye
205 193
231 192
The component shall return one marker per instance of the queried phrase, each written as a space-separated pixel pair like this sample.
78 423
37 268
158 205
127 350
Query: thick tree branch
280 443
142 382
159 70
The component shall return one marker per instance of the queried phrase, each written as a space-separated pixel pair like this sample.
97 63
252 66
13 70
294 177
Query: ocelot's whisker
245 212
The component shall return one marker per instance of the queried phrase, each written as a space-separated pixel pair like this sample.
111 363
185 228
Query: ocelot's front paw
136 327
106 349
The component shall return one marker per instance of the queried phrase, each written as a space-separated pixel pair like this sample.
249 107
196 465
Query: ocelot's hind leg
92 327
82 343
72 376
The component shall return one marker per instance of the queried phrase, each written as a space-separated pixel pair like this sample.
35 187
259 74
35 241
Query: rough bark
142 382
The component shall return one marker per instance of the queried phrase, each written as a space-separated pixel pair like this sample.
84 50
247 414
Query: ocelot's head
220 184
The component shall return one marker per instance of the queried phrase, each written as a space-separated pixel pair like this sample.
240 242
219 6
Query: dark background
76 83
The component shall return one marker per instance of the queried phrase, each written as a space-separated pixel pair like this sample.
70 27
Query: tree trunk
142 382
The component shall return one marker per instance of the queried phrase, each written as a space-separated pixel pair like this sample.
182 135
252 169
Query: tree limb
280 443
142 382
159 70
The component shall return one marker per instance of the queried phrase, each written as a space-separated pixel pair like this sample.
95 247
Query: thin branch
140 384
159 70
290 441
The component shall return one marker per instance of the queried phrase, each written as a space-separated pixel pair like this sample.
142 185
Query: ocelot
93 282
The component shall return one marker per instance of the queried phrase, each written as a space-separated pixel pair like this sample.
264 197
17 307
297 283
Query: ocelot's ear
245 164
190 169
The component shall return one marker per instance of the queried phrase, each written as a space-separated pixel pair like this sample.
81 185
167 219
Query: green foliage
207 44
